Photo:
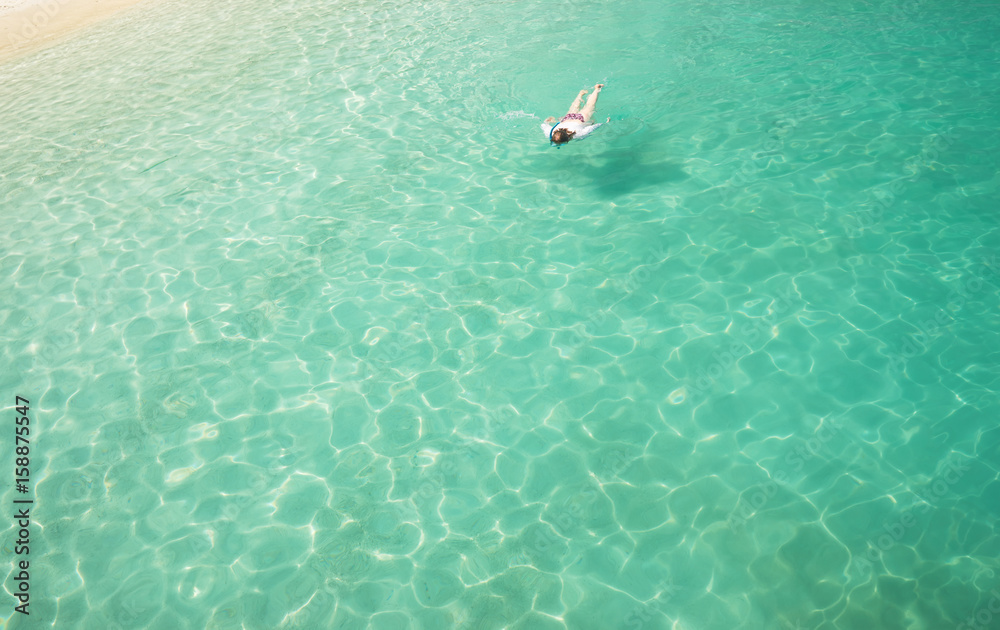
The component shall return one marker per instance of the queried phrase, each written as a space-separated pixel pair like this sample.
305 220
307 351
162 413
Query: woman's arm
583 133
586 130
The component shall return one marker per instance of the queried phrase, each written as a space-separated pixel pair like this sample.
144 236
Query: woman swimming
573 125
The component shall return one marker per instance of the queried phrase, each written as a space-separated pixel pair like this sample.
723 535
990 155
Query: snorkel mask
557 145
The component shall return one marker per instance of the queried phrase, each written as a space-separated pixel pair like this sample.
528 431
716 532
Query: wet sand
28 25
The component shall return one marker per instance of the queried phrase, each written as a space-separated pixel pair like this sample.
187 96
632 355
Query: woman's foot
597 88
575 107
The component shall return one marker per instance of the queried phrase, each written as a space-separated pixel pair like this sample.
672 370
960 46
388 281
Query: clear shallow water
321 334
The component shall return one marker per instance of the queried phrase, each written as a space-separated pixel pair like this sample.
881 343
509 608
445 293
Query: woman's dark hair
559 136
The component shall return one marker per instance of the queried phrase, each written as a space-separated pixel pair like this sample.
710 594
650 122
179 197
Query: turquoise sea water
319 333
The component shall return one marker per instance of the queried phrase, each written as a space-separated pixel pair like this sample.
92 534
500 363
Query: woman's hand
550 119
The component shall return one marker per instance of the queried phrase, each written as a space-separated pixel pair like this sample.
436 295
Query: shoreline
30 25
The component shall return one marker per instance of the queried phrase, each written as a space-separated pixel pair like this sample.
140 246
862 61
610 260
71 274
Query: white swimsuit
582 130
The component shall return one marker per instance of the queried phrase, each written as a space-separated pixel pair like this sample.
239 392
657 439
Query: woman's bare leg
575 107
588 109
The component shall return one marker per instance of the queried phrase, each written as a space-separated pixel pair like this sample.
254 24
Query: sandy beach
27 25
